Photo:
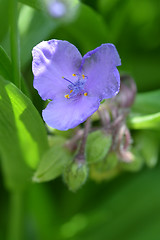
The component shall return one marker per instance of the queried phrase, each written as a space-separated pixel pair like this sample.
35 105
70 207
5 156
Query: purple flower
75 85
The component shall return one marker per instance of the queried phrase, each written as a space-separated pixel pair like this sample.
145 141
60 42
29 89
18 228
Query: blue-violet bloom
75 85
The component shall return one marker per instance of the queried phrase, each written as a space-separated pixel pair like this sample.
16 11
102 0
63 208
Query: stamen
68 81
67 96
71 91
73 74
85 94
83 76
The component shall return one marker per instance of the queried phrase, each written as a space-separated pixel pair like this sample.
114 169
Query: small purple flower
75 85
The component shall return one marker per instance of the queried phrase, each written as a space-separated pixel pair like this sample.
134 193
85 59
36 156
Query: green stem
16 214
14 39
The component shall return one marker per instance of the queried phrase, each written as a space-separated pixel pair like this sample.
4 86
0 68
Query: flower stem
15 228
14 41
81 153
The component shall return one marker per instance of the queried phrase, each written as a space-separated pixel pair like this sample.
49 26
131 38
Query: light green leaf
97 146
147 103
37 4
151 121
34 27
53 161
23 138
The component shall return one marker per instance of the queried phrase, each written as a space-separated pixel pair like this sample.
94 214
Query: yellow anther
67 96
85 94
73 74
71 91
62 77
83 76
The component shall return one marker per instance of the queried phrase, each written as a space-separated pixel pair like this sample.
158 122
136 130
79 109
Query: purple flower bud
127 92
75 85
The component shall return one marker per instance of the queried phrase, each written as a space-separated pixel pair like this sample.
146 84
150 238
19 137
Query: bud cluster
107 149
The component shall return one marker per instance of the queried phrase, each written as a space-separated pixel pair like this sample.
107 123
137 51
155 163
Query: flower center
76 88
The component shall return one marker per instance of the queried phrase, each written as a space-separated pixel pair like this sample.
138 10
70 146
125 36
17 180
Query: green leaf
5 65
6 70
53 161
23 138
97 146
34 26
147 143
147 103
151 121
4 18
37 4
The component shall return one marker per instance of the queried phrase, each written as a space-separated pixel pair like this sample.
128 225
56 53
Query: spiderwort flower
75 85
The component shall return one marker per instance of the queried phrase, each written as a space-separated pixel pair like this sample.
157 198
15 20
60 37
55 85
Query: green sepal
97 146
75 175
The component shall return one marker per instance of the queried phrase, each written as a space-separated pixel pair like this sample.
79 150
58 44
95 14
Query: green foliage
151 121
53 161
37 4
83 35
147 103
35 28
147 111
4 14
147 143
5 65
136 164
97 146
23 138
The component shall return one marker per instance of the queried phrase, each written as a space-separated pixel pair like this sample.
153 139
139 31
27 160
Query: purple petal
99 66
68 113
53 60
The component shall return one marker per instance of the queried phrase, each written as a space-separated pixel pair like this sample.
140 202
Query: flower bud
127 92
75 175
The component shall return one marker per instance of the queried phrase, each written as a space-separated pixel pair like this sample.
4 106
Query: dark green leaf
5 65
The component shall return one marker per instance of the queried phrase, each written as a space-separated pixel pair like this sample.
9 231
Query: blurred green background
127 207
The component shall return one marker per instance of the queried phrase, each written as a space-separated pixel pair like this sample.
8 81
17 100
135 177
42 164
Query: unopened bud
75 175
127 92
